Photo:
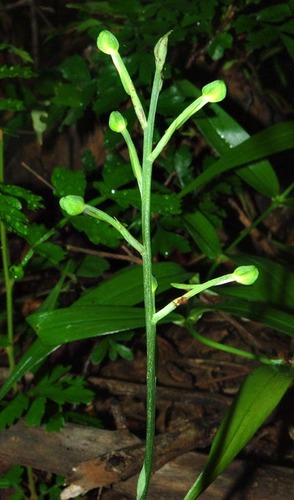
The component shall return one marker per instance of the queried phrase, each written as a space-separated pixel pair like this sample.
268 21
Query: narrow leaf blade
265 314
32 357
272 140
222 133
204 234
257 397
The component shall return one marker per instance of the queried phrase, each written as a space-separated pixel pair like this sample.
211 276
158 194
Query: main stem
149 292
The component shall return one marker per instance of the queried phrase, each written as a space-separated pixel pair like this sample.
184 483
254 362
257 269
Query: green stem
31 484
248 229
149 294
7 279
129 88
177 123
133 158
229 349
276 202
192 291
100 215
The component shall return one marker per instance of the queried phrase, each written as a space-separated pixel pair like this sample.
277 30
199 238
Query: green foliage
12 479
257 397
58 387
67 182
203 234
112 347
11 215
13 410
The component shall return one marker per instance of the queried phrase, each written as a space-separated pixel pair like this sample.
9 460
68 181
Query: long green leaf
125 287
222 133
77 323
272 140
37 352
262 313
204 234
256 399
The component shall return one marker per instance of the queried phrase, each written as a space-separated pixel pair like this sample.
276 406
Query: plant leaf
13 410
265 314
125 287
16 72
257 397
32 357
222 133
204 234
36 411
66 182
74 69
273 139
81 322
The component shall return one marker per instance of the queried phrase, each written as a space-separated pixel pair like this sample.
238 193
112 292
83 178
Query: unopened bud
73 205
107 43
117 122
245 275
214 91
160 51
17 272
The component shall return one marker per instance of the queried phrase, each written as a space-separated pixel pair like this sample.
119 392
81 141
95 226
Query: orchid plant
142 170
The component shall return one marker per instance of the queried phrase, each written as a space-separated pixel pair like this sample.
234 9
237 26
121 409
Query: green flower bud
117 123
73 205
107 43
214 91
17 272
246 275
160 51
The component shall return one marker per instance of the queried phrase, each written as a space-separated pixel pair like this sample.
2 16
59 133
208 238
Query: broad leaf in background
105 310
257 397
268 315
204 234
66 181
222 133
97 231
272 140
82 322
164 204
92 266
125 287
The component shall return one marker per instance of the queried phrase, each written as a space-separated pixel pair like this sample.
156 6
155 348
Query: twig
15 5
258 238
107 255
39 177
